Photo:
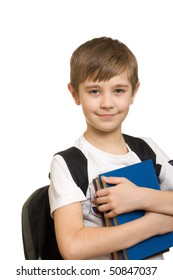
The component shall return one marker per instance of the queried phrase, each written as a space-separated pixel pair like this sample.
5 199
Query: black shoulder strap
77 165
143 150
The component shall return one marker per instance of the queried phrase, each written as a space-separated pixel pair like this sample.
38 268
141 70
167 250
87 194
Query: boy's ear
135 92
74 94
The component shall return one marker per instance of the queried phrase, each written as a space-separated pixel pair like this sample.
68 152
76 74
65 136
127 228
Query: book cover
143 175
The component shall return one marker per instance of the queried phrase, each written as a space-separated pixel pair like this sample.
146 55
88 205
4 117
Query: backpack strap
143 150
77 165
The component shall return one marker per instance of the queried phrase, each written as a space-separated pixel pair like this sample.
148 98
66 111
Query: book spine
122 254
114 255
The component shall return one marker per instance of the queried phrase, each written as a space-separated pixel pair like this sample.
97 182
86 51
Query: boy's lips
107 115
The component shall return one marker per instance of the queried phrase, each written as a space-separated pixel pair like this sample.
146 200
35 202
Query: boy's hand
122 198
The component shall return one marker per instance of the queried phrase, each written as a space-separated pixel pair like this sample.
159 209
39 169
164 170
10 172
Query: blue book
143 175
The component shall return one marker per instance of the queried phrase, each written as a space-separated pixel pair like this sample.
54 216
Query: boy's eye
119 90
94 91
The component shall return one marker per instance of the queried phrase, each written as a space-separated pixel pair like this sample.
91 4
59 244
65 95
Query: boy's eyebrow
121 85
92 85
97 85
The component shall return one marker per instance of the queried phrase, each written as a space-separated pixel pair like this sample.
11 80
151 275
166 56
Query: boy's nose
107 102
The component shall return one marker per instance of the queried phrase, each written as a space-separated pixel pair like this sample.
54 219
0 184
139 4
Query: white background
37 114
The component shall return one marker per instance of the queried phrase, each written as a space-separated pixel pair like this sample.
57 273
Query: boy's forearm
93 242
157 201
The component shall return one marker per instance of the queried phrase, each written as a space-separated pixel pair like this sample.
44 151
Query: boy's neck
112 143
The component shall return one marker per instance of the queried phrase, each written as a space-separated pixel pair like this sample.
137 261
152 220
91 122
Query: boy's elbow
71 252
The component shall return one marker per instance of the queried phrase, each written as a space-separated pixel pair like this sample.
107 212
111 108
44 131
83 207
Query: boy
104 81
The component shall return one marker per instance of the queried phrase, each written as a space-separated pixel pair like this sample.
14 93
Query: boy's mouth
107 116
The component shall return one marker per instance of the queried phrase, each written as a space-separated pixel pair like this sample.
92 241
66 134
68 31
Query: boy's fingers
102 192
102 199
114 180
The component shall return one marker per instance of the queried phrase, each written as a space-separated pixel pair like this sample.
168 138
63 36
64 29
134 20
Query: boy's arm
77 241
126 197
158 201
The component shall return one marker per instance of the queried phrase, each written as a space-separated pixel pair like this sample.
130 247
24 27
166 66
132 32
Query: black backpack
38 233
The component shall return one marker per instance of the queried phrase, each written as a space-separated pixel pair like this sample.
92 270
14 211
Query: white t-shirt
64 191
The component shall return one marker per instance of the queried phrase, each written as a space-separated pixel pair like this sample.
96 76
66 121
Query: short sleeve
63 190
166 174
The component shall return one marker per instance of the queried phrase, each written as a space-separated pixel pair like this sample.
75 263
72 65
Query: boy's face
105 104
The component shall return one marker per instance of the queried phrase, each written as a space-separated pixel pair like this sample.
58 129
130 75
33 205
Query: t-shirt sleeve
63 190
166 174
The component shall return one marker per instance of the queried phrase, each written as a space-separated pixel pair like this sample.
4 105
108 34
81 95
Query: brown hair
100 59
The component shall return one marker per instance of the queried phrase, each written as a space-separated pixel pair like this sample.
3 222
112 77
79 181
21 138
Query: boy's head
101 59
